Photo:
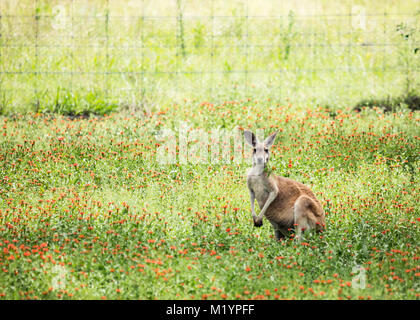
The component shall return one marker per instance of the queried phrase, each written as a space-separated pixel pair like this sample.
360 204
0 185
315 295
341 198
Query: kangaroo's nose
260 160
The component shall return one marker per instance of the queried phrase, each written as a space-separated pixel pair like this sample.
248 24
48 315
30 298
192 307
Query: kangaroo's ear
250 138
268 142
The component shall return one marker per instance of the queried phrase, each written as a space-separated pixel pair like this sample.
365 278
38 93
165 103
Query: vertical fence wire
350 28
2 95
72 45
246 48
37 18
211 49
142 88
179 40
106 71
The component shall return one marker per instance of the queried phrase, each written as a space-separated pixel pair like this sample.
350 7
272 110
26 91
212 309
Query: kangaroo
286 203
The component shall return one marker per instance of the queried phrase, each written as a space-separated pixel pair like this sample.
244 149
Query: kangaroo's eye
255 150
266 150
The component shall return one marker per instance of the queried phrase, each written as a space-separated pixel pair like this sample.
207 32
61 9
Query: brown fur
288 204
290 194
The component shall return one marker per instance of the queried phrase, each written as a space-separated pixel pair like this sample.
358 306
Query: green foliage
410 101
409 54
67 103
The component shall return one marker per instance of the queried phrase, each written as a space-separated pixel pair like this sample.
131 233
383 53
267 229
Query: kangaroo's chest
260 187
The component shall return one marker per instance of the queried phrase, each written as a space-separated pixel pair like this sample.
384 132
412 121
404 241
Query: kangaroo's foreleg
258 220
252 198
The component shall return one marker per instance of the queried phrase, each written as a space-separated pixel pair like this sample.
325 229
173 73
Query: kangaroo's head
261 150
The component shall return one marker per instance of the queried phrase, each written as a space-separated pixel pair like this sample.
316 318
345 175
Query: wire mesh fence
56 54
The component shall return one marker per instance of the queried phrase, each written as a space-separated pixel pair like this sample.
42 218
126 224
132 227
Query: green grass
145 54
87 212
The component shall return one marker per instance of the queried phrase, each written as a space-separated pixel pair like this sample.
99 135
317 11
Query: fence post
180 28
72 46
180 51
212 52
143 86
246 49
1 71
107 52
36 73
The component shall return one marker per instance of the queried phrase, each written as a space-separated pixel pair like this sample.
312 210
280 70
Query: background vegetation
73 56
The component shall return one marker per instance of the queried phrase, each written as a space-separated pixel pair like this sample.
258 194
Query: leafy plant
409 54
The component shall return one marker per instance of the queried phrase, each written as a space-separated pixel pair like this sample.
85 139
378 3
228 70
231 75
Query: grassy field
87 211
